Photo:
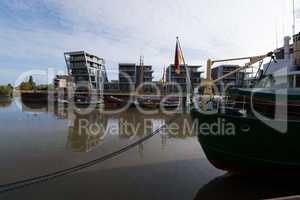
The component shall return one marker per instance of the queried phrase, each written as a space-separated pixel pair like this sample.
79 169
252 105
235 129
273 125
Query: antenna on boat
294 18
276 35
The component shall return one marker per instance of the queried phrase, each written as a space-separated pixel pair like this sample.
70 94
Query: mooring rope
43 178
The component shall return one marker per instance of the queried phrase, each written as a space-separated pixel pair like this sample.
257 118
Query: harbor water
36 140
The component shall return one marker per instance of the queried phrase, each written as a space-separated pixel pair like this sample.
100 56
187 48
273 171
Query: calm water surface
35 140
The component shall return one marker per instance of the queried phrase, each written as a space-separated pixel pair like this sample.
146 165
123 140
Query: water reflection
5 101
38 145
5 104
87 131
34 107
47 139
234 186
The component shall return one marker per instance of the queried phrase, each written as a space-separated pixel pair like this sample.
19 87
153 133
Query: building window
297 81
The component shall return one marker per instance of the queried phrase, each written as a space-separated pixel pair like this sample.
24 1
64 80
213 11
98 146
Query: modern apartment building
127 77
86 70
112 87
234 80
132 75
182 78
144 75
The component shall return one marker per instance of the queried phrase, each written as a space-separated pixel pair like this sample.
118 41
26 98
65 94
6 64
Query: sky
35 34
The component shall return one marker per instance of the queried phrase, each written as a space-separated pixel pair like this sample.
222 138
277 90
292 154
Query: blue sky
35 34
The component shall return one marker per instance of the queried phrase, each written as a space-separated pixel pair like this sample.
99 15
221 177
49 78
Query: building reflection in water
87 131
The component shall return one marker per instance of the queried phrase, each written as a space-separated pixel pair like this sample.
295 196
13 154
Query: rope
260 64
271 59
43 178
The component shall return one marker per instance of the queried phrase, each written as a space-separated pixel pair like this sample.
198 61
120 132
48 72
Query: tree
26 86
30 85
5 90
30 81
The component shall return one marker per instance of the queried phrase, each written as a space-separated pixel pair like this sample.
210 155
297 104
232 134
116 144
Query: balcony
126 69
94 60
77 59
78 65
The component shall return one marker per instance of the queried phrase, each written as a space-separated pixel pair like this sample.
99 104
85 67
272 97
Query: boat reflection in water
233 186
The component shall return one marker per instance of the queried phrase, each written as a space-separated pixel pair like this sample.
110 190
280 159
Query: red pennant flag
178 58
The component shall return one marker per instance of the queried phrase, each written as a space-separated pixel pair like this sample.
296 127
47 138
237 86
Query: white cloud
120 31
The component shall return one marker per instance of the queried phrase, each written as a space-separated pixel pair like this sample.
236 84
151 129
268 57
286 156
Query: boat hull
112 102
251 147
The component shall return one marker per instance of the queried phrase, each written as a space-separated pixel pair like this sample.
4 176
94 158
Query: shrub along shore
6 90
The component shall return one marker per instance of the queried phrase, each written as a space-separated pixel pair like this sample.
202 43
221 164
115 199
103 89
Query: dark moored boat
150 102
170 103
112 102
258 129
236 141
153 102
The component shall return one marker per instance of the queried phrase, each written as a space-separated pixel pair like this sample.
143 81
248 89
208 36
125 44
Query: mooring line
43 178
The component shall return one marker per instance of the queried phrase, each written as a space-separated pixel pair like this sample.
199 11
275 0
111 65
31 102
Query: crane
208 82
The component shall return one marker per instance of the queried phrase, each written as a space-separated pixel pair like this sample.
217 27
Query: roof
190 66
127 64
82 52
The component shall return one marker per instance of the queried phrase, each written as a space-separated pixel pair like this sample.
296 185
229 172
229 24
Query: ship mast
187 78
294 19
142 73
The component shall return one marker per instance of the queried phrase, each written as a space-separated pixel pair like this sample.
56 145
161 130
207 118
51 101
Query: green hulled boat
234 142
257 130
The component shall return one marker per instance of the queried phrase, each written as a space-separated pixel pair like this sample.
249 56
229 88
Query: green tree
29 85
26 86
30 81
5 90
43 87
